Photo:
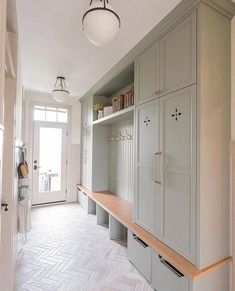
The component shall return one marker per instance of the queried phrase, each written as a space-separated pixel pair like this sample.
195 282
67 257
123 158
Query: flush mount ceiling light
60 92
100 22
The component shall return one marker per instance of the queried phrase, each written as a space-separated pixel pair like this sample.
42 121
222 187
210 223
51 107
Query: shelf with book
123 114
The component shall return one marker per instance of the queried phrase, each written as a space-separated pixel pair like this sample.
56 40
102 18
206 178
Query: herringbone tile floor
67 251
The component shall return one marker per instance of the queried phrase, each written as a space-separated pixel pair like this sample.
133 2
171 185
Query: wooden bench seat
122 211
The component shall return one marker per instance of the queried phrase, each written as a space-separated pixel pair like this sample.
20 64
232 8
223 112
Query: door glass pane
50 152
39 113
51 114
62 115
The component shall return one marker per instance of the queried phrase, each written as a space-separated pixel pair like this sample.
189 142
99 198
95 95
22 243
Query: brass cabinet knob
158 92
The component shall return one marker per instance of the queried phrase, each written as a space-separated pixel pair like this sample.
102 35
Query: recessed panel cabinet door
147 76
89 157
178 195
146 198
178 56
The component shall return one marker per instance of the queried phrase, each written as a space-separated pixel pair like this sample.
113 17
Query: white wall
3 5
19 98
12 124
74 135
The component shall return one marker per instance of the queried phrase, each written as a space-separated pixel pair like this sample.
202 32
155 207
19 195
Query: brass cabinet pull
156 168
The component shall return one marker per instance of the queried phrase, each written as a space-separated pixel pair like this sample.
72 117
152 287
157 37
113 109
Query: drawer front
139 254
82 199
165 277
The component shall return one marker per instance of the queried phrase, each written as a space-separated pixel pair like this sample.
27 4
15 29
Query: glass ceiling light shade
100 22
60 92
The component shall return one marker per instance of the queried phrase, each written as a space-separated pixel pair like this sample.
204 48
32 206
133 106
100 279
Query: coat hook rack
121 137
129 136
114 138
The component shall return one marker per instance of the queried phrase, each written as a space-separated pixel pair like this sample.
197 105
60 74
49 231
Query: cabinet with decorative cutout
182 136
166 169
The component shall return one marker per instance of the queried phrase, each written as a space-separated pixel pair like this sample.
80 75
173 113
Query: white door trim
49 197
29 132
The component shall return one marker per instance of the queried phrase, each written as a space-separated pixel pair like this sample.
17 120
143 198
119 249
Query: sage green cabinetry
147 80
86 136
177 181
165 199
182 85
165 277
178 56
187 177
147 145
169 64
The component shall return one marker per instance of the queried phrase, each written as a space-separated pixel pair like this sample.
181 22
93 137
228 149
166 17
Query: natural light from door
50 114
50 150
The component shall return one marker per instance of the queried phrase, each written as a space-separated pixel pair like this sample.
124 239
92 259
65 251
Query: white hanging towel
24 203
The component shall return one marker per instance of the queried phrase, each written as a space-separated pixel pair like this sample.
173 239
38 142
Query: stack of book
118 103
125 100
129 98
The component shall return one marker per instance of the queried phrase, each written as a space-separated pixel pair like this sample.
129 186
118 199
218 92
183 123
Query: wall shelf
115 117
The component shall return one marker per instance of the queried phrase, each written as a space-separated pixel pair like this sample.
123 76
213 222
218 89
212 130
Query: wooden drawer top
122 210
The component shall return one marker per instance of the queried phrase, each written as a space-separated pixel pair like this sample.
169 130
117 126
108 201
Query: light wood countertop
122 210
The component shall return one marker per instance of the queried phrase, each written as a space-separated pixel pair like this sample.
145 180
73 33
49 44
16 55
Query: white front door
49 162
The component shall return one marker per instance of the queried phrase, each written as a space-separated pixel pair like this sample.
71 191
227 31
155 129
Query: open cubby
121 83
109 146
117 231
113 160
102 216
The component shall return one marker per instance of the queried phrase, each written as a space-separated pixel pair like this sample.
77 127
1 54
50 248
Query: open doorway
50 140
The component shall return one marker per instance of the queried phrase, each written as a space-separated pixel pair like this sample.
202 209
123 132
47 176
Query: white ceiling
52 41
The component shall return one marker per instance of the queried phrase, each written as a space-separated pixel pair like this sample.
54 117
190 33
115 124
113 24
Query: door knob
5 206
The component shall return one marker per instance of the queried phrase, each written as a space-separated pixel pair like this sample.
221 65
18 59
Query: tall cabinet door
86 167
178 195
147 145
178 56
84 158
146 74
89 157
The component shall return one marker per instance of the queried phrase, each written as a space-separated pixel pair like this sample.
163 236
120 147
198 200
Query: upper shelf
115 117
121 80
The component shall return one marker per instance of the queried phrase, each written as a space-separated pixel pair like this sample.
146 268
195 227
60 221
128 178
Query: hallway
67 251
